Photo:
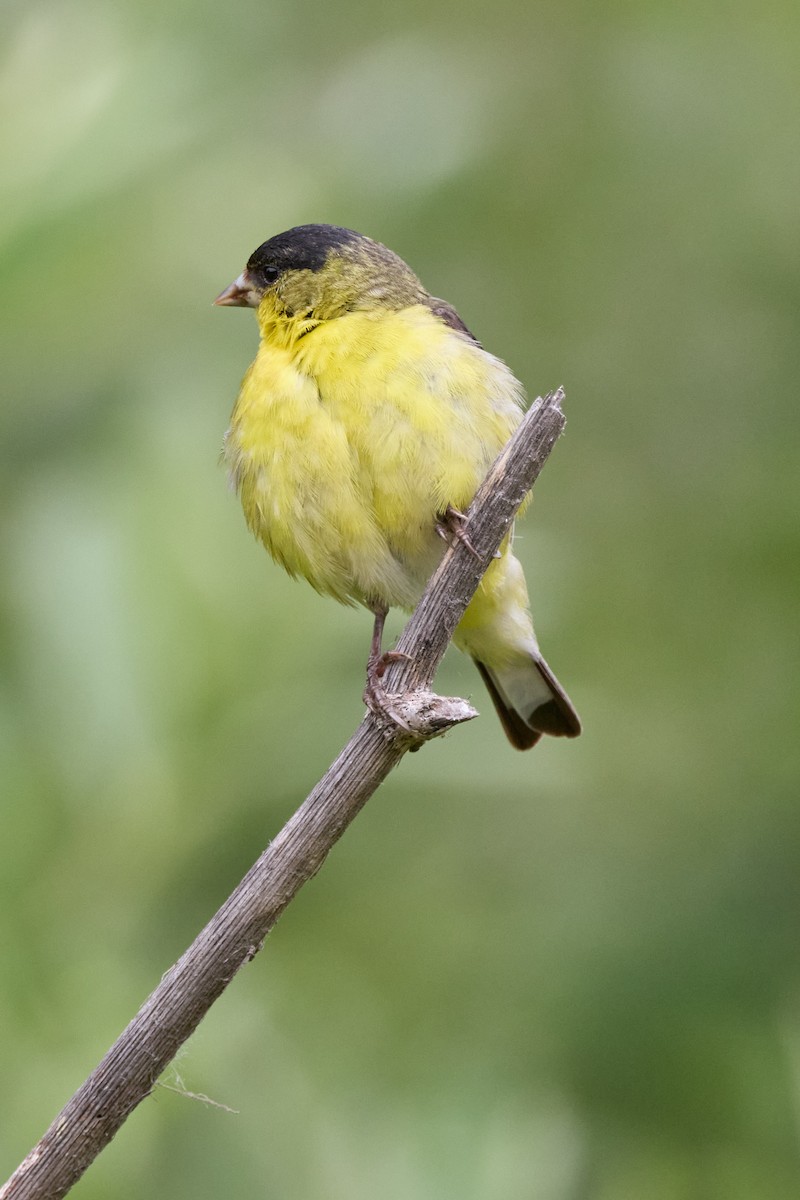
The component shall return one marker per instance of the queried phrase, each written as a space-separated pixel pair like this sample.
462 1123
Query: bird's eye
270 274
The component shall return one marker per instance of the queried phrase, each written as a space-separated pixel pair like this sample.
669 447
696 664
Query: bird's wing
448 315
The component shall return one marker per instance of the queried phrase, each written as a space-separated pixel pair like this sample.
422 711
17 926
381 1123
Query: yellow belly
346 443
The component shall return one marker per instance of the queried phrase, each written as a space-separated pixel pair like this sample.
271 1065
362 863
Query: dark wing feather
446 313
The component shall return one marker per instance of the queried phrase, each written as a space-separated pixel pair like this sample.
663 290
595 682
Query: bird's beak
240 294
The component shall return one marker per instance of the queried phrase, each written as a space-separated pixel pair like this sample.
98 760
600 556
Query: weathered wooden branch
128 1072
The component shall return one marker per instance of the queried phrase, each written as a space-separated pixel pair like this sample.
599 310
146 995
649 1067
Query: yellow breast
345 443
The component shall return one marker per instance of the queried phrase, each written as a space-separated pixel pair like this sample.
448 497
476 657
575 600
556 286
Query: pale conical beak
240 294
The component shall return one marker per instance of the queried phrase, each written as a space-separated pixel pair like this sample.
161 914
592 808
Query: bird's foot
377 669
376 698
450 526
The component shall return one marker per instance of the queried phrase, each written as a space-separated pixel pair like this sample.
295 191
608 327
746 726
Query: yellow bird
360 435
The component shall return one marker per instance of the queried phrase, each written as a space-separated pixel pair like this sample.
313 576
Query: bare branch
130 1069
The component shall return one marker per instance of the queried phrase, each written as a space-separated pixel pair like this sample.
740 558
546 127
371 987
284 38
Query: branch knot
409 719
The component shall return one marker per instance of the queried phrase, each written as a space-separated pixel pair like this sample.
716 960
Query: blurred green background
546 977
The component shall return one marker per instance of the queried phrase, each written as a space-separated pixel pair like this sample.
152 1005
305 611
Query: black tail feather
555 716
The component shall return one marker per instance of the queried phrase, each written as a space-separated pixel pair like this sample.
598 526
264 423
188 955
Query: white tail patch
530 701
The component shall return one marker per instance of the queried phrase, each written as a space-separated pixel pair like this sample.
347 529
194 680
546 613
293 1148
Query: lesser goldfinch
361 433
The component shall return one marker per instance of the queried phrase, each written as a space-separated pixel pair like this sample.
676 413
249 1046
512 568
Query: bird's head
316 272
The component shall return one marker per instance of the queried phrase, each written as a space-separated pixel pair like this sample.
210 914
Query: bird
360 434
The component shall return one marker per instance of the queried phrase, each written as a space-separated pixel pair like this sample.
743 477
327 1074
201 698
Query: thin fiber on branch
128 1072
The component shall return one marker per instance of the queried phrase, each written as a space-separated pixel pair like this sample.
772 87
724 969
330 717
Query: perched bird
360 435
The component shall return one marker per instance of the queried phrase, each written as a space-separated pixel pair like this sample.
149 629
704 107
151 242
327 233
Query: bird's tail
496 631
530 701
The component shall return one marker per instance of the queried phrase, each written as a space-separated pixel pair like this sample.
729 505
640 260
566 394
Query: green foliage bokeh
567 974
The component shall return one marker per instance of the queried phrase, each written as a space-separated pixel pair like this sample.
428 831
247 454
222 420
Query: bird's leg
377 661
450 526
375 645
375 695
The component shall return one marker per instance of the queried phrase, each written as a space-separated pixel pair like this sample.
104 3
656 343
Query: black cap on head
304 248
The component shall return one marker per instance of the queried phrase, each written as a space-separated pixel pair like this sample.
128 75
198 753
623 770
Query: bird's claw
450 526
376 698
377 669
